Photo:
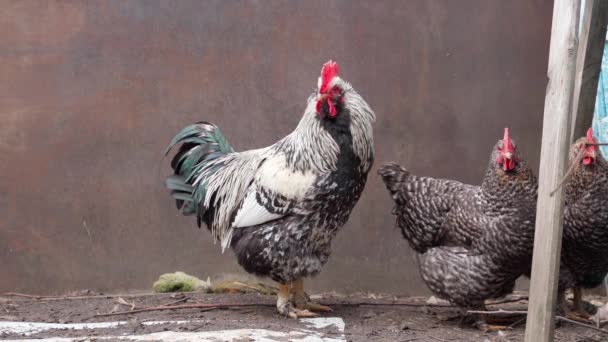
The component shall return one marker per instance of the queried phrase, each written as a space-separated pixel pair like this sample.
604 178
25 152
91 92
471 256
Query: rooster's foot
318 307
582 308
581 317
286 307
579 314
301 300
312 306
289 310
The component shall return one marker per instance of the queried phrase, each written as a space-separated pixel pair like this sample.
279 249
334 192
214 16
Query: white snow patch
258 335
324 322
28 328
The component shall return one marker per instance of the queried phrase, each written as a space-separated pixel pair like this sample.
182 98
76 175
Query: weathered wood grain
555 142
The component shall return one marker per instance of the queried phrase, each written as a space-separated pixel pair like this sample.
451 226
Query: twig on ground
66 297
392 304
197 327
177 301
179 307
508 300
557 317
561 318
599 323
498 312
518 322
39 297
15 294
436 338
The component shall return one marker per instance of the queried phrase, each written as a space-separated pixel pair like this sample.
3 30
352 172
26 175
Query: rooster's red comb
329 71
590 136
506 141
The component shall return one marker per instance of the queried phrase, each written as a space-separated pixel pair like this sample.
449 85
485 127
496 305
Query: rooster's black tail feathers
200 144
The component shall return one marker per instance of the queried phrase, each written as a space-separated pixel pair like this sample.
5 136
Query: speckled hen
584 261
279 207
472 242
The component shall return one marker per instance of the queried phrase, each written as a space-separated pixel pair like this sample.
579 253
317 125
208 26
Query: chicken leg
285 306
301 300
487 322
579 304
575 314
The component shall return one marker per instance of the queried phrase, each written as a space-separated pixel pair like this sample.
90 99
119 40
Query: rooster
472 242
279 207
584 260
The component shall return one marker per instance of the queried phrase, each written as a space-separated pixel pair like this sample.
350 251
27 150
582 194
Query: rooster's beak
508 155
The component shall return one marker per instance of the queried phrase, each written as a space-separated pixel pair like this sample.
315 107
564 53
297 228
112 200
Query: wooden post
553 161
588 64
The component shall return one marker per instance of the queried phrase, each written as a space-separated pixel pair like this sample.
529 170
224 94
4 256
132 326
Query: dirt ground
366 318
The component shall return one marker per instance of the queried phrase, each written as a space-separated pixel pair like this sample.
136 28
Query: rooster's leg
302 301
564 309
579 305
285 307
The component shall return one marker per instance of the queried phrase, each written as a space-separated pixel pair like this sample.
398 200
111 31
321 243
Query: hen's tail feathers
201 143
393 176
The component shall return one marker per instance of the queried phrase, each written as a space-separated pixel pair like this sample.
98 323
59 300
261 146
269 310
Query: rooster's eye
335 92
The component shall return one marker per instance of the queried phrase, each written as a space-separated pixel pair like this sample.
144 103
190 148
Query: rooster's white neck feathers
310 146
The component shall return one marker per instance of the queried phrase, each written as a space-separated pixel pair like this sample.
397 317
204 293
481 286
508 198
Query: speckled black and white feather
472 241
279 207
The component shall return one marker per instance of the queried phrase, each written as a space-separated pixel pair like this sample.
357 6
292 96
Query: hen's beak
589 157
508 155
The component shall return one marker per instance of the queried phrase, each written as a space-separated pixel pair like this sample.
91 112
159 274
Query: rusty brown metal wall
91 93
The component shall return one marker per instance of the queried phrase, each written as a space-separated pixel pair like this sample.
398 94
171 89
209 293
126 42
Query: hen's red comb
329 71
506 142
590 136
